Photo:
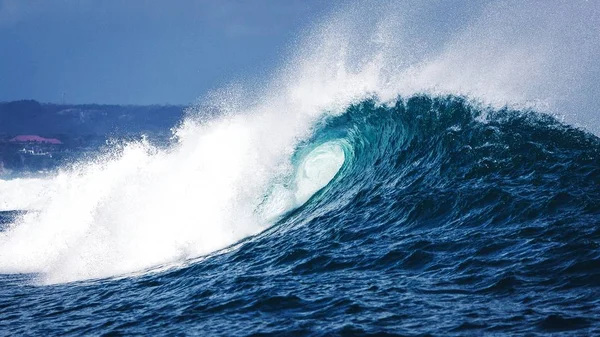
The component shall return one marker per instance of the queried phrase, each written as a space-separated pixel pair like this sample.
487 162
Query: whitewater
386 147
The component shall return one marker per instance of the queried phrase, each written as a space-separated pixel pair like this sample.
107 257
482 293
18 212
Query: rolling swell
490 216
447 212
445 219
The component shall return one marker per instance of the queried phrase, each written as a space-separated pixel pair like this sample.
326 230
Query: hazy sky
142 51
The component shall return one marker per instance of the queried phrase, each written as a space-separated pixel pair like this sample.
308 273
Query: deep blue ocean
446 218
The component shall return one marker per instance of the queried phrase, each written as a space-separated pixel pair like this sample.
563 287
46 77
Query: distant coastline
56 121
37 137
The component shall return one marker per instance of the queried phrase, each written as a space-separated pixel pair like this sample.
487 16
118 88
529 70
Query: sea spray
144 206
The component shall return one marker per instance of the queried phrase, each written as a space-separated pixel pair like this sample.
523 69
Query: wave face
394 176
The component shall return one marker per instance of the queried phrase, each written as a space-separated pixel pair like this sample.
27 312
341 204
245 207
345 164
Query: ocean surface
402 173
444 219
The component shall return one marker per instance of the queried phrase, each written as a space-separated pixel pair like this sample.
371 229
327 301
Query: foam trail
141 207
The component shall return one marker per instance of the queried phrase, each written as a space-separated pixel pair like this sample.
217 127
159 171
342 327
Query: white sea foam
141 207
24 193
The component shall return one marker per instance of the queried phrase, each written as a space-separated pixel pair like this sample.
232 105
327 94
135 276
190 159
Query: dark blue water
446 219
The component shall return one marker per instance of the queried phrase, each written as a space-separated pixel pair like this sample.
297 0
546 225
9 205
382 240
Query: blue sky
142 51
